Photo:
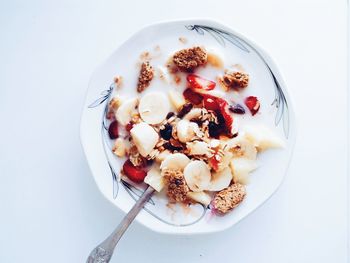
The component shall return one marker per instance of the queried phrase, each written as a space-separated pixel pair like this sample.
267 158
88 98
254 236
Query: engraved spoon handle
104 251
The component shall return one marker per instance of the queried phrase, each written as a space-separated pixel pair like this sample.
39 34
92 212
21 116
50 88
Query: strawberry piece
194 97
220 106
129 126
198 82
225 112
253 104
211 103
134 173
113 130
213 163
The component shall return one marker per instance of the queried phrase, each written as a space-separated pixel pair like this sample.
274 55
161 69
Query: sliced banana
115 102
263 137
220 180
197 175
214 143
241 146
241 167
144 137
125 111
198 148
155 179
120 147
154 107
200 197
214 92
162 155
175 161
195 113
225 161
186 130
176 99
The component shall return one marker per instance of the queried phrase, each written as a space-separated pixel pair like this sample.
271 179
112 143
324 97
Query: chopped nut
135 157
112 107
119 148
236 80
177 187
183 40
177 79
146 75
118 81
135 118
227 199
176 143
189 59
115 103
215 60
145 55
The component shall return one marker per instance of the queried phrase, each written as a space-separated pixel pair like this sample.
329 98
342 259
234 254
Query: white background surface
51 210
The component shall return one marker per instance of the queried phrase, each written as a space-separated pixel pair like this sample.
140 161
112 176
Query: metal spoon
104 251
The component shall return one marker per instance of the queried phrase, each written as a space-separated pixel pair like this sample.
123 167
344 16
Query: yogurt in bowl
196 111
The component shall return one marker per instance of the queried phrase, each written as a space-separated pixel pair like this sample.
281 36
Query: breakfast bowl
155 73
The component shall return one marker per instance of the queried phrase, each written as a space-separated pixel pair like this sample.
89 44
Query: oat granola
236 80
146 75
177 187
229 198
189 59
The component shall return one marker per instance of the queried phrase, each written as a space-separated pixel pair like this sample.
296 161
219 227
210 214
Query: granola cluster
227 199
235 80
145 77
177 188
189 59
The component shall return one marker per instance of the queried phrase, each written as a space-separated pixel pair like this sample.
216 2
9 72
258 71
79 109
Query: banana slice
186 130
225 161
214 143
125 111
220 180
241 167
176 99
195 113
175 161
241 146
144 137
155 179
120 147
263 137
154 107
161 157
200 197
214 92
198 148
197 176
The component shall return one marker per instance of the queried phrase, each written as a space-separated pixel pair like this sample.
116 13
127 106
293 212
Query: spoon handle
103 252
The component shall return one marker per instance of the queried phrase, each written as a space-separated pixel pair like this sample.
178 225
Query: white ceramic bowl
266 83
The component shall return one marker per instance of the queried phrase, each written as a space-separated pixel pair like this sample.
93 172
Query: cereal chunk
177 187
227 199
188 59
236 80
146 75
